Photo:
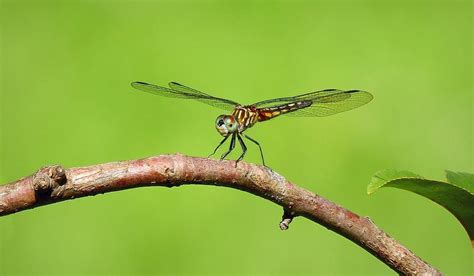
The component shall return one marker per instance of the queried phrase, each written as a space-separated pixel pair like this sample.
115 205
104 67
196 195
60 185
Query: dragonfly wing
177 90
333 103
317 104
185 89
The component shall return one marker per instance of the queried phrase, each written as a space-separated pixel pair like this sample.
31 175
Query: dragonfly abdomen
271 112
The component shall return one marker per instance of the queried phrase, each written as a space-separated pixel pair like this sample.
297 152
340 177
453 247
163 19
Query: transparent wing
320 103
177 90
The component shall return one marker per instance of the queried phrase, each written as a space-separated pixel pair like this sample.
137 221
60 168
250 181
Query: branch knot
48 178
286 219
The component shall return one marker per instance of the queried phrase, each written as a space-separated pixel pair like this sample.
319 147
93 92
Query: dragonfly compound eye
231 124
221 125
220 122
226 124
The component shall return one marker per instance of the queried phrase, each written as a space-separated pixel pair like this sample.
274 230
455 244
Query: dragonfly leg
244 149
258 144
218 146
231 148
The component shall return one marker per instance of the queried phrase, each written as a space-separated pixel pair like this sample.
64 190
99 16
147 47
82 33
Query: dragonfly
314 104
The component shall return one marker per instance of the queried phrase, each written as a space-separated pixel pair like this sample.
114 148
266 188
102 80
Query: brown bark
54 183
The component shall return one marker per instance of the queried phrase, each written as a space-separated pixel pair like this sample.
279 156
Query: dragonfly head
226 124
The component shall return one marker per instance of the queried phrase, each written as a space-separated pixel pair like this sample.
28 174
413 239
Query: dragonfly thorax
226 124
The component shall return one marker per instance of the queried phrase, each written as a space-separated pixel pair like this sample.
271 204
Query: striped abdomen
271 112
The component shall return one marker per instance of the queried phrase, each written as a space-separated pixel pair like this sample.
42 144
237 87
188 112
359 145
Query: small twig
54 184
286 219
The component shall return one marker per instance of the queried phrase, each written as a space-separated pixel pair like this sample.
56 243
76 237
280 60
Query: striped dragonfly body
272 112
246 116
314 104
249 115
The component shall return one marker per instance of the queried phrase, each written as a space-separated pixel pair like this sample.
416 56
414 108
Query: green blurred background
66 69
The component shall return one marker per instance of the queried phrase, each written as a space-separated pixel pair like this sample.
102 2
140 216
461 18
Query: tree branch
54 184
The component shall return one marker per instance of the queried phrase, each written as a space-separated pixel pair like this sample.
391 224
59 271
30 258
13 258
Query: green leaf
462 180
456 195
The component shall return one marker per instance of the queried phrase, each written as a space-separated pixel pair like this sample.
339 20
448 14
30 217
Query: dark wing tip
368 96
356 91
173 82
137 83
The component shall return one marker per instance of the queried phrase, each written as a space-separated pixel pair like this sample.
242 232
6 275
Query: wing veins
177 90
323 103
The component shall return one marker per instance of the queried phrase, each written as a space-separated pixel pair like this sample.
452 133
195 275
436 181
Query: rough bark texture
54 183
